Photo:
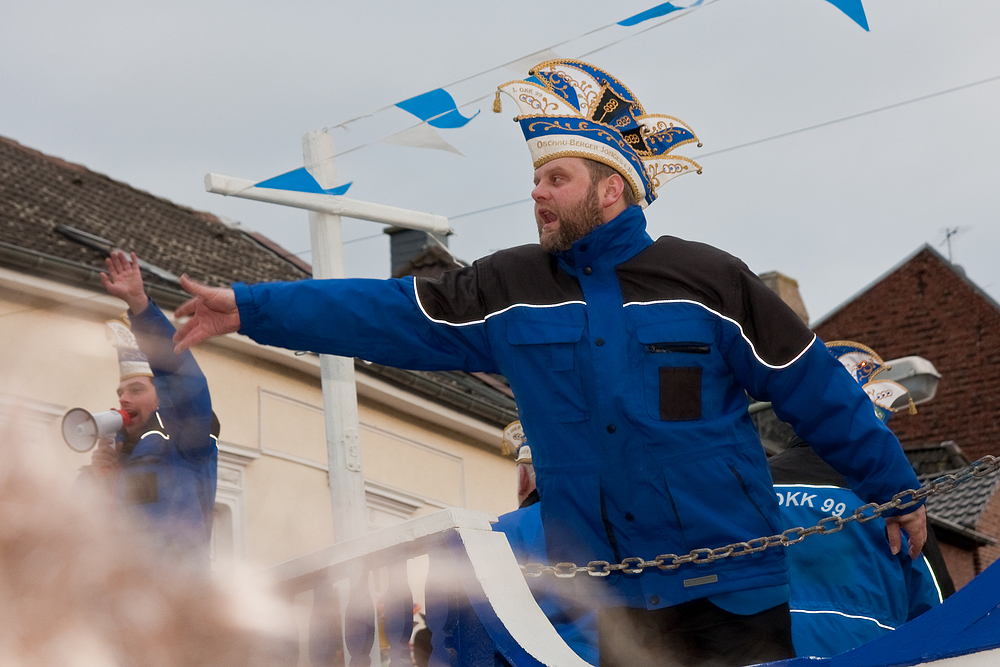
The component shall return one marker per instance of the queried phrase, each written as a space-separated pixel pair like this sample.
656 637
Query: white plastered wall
273 501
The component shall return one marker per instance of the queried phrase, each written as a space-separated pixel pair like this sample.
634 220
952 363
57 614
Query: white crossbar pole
332 204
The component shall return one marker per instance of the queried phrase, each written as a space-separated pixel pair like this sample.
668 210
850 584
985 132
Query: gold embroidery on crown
654 173
542 104
585 93
548 125
549 64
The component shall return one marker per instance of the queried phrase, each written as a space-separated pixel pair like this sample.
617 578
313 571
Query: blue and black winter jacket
631 361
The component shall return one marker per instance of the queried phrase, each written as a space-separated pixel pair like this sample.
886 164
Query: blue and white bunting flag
854 9
421 136
412 121
300 180
657 12
437 108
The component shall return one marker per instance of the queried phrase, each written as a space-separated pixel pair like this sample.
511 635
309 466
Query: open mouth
546 217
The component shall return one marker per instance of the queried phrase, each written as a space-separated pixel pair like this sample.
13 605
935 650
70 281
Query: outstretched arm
212 310
123 279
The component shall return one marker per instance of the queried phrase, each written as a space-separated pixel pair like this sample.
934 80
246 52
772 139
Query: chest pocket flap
556 339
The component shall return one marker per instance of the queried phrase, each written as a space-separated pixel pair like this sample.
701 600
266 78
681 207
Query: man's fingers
184 339
194 287
892 531
118 261
185 330
915 525
186 308
916 528
187 342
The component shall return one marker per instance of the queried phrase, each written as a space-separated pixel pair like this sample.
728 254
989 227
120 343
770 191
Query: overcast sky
159 94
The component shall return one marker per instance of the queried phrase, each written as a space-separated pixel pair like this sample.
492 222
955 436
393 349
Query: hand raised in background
123 279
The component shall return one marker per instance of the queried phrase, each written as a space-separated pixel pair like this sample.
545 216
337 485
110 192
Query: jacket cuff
245 305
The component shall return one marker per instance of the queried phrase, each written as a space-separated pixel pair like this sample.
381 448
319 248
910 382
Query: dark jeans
693 634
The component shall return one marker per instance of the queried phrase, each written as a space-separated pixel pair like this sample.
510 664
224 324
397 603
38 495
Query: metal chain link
831 524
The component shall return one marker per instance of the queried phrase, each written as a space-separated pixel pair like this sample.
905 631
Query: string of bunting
438 110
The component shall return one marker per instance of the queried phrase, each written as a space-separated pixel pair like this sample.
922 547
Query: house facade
429 440
926 306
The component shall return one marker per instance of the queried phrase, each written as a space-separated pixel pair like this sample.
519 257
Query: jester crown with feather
569 108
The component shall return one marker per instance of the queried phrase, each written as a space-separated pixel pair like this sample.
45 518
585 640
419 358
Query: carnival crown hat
864 364
569 108
513 439
132 362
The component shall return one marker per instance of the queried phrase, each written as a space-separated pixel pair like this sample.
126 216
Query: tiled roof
964 504
937 459
39 193
60 219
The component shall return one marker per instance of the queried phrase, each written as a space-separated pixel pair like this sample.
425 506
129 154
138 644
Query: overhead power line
783 134
852 116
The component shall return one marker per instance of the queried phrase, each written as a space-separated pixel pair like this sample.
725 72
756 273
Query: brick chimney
788 289
415 252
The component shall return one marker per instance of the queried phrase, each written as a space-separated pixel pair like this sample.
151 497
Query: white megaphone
81 430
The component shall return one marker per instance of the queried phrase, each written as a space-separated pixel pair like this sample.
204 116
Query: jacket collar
129 442
614 242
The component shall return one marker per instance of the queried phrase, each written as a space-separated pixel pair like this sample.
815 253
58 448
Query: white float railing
481 612
478 606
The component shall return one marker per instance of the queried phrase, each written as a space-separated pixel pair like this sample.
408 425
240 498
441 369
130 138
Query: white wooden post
340 400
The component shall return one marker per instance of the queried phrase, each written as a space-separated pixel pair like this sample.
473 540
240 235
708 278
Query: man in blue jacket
164 463
631 361
847 588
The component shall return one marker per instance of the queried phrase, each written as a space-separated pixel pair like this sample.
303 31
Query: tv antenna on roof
948 233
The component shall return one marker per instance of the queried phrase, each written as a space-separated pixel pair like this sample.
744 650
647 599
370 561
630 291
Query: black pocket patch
141 489
680 393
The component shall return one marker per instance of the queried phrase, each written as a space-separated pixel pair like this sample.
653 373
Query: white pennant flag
421 136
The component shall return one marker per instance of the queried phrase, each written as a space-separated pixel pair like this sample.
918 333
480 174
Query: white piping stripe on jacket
416 295
937 586
728 319
753 349
840 613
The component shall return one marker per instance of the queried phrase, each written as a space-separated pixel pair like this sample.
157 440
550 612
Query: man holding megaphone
162 463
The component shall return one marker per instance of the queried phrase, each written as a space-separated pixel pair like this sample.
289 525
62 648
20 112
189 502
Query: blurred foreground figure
83 588
163 465
848 588
573 618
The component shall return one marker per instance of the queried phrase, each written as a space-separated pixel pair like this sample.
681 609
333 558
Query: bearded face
567 205
574 222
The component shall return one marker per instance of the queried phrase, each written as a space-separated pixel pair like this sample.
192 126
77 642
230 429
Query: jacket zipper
685 348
